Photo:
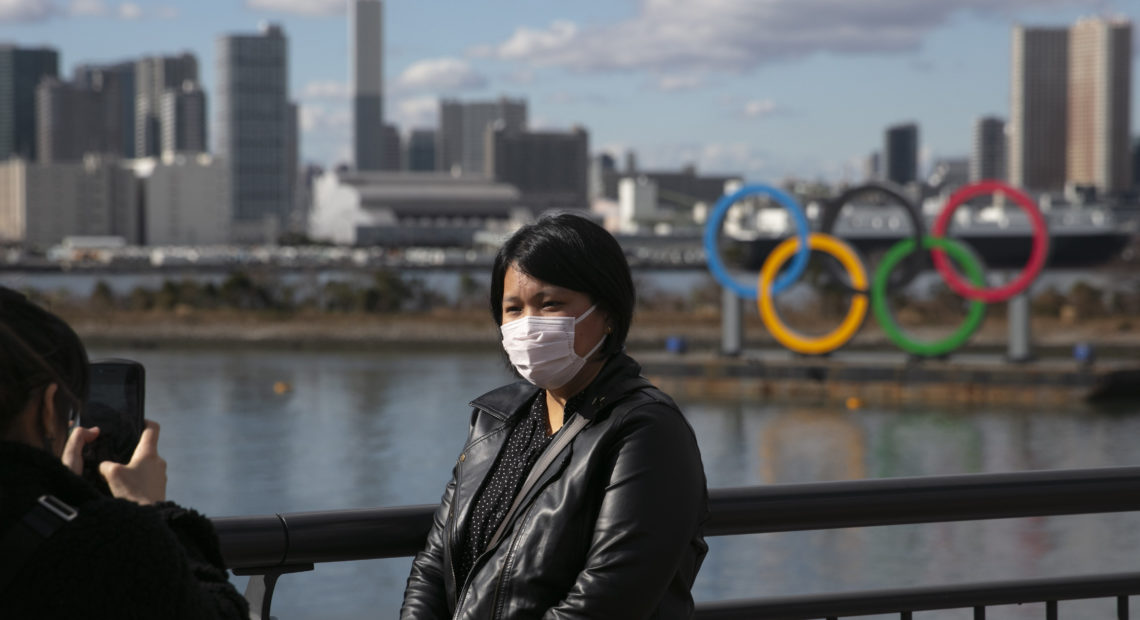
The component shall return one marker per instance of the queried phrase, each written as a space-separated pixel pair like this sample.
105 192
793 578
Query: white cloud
326 89
415 112
87 8
321 118
26 10
527 42
440 74
129 10
38 10
521 77
713 158
759 108
686 37
299 7
569 98
675 83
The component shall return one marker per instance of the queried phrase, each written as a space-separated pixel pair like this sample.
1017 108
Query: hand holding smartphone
115 405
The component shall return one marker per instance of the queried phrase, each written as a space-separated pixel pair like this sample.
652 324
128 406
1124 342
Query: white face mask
541 348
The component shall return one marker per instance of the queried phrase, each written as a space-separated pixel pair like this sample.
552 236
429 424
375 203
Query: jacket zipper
519 521
499 580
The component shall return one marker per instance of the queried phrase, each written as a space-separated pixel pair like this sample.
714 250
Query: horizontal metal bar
957 596
325 536
929 499
340 535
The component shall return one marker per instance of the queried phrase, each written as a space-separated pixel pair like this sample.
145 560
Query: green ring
974 316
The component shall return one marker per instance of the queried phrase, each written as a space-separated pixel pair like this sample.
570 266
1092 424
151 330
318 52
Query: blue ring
712 252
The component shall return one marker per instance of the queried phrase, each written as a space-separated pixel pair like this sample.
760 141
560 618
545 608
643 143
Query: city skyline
766 92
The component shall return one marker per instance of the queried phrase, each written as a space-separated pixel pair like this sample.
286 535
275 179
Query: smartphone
115 405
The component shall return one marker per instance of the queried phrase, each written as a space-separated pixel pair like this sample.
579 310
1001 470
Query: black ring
911 266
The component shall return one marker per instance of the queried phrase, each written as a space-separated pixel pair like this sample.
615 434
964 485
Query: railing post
262 581
731 323
1020 332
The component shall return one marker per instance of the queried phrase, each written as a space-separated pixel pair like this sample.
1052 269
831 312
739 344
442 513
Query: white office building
40 204
185 198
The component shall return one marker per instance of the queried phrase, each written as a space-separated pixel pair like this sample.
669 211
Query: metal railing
266 547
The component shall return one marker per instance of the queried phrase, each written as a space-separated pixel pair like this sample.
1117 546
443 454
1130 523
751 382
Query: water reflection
383 428
807 445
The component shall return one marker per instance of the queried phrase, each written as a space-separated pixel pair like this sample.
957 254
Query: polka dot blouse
525 444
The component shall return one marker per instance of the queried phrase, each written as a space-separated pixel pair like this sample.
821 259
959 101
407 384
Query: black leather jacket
612 529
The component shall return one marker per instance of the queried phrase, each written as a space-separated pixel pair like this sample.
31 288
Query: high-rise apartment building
419 152
182 120
550 169
1038 108
116 83
21 70
366 34
461 141
1099 100
254 131
69 122
900 153
988 159
153 77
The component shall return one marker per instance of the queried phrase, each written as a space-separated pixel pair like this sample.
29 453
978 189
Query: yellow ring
855 315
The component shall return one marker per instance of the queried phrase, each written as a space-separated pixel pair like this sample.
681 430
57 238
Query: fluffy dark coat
116 559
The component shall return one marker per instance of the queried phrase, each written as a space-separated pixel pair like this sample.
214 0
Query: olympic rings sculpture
945 252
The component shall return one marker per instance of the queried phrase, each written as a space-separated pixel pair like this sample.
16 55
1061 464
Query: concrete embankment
857 379
1117 338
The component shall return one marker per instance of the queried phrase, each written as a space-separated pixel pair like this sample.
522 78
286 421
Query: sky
767 89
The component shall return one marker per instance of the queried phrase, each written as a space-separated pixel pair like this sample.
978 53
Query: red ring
1036 256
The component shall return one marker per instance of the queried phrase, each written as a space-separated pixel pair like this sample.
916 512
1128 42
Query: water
383 428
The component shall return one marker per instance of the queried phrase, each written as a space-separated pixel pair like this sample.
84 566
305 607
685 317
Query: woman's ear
48 414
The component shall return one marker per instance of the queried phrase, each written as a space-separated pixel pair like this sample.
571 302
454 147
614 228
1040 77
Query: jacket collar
512 399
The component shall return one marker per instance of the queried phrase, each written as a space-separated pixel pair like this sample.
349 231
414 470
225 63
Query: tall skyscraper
463 131
1038 108
153 77
21 70
253 130
366 33
182 120
420 150
69 122
1099 90
900 153
116 82
987 161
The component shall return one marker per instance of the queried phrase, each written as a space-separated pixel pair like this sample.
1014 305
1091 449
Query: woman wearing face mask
580 491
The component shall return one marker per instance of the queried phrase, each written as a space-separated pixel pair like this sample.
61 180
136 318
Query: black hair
37 348
572 252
